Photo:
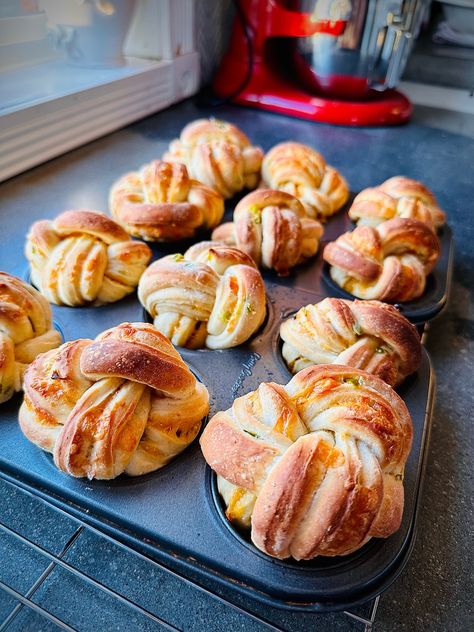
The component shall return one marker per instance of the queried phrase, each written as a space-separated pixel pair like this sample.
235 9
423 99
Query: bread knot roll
389 263
26 330
272 227
213 295
396 197
124 402
162 203
314 467
84 257
218 154
366 335
301 171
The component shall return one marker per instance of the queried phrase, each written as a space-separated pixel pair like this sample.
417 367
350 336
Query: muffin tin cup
175 514
315 275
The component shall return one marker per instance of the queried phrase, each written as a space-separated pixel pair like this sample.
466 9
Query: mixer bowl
369 56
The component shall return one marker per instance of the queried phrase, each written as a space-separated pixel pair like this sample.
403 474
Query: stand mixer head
335 61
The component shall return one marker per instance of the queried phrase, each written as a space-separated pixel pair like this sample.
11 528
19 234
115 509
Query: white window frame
37 132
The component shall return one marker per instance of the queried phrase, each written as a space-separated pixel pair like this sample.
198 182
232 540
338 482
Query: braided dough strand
396 197
388 263
84 257
317 465
271 227
366 335
26 330
218 154
125 402
301 171
162 203
212 295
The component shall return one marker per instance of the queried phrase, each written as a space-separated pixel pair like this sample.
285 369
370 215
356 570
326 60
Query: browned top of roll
388 421
140 353
259 199
361 252
323 456
403 235
211 130
401 186
92 223
218 255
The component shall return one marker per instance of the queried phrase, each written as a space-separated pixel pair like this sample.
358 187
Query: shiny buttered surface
218 154
212 296
272 227
389 262
366 335
124 402
84 257
396 197
301 171
26 330
314 467
162 203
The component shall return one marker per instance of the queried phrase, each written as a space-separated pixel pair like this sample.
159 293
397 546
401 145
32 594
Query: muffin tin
176 513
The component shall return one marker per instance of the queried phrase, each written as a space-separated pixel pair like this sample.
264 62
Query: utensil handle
399 31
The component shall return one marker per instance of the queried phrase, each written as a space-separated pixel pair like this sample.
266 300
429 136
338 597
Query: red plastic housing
270 86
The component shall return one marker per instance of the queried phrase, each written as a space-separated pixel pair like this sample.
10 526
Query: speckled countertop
435 590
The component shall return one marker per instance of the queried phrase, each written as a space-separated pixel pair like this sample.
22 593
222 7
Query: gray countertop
435 589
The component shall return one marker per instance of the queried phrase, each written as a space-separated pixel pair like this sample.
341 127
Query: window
73 70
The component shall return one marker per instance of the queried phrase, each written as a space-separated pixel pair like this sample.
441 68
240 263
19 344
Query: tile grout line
86 578
368 623
35 607
187 581
19 606
47 571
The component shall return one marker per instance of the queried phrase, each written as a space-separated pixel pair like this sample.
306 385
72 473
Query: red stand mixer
333 61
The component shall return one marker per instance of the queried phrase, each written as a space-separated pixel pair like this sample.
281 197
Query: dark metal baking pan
174 512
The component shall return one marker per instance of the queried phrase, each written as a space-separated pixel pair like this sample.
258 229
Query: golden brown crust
232 464
53 383
212 129
159 217
103 430
329 480
271 227
90 223
367 335
301 171
396 197
385 424
162 203
218 255
84 257
388 263
402 188
218 154
262 198
26 330
212 295
409 235
140 353
125 402
224 234
287 493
